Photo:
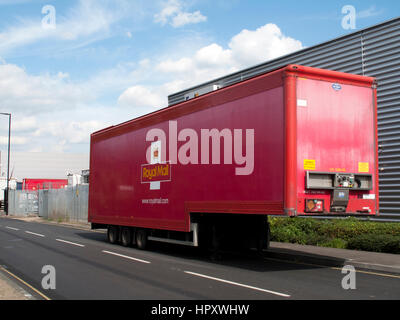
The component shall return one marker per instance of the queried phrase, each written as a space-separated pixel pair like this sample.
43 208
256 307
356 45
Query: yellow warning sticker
309 164
363 167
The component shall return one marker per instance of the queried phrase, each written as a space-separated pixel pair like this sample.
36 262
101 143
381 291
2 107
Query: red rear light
314 205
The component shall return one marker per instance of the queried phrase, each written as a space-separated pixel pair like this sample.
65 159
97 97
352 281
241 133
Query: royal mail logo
155 153
156 172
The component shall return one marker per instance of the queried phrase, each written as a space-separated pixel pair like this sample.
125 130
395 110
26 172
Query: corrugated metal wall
22 203
374 51
69 204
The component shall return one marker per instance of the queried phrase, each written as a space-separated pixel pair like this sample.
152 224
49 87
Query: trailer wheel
113 234
141 239
126 237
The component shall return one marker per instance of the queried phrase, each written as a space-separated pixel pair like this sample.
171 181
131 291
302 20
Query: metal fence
374 51
22 203
69 204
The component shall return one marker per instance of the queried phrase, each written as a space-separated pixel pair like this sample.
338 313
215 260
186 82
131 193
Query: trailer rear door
336 145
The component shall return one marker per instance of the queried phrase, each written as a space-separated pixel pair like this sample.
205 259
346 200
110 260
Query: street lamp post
8 162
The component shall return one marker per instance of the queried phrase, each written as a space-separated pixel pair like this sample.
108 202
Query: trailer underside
209 231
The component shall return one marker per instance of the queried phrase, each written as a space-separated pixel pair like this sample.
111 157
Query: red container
38 184
314 153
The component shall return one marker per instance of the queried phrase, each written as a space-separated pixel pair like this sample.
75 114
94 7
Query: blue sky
105 62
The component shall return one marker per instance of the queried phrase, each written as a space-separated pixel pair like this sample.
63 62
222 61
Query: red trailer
38 184
295 141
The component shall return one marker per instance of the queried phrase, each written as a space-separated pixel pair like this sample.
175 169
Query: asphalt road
88 267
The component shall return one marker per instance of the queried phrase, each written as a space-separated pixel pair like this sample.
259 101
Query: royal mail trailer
295 141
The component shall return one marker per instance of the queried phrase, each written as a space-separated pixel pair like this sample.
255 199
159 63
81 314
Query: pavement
10 290
88 267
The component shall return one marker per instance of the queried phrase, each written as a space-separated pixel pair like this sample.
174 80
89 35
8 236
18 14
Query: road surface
88 267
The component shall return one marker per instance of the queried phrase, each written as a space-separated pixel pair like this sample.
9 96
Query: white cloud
265 43
370 12
35 101
180 65
247 48
212 56
14 140
173 12
62 75
141 96
171 8
88 18
68 132
244 49
209 57
183 18
22 92
24 124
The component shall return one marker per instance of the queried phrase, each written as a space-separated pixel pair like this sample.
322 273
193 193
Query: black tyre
113 234
141 239
126 237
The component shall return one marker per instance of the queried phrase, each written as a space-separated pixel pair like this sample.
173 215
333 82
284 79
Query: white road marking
12 228
69 242
238 284
127 257
35 234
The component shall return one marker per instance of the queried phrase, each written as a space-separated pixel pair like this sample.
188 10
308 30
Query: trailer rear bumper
338 214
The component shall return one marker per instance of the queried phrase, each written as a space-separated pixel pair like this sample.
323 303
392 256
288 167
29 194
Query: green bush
377 243
349 233
289 233
335 243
